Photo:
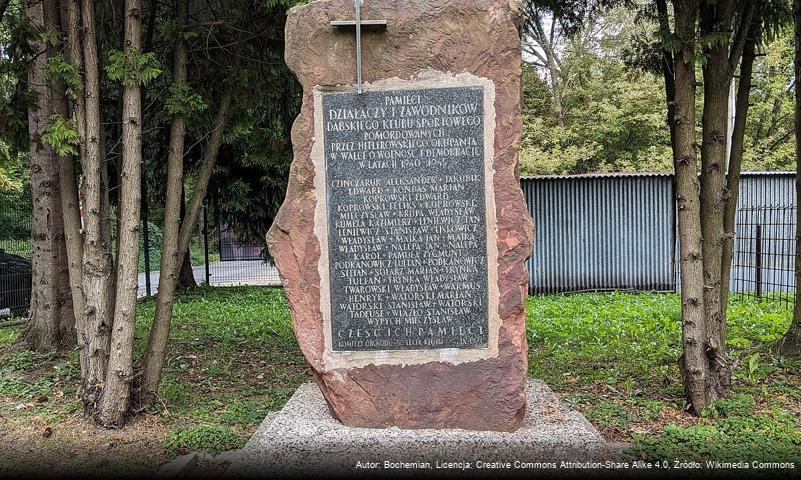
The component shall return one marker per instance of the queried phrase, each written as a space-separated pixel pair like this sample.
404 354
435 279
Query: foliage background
614 104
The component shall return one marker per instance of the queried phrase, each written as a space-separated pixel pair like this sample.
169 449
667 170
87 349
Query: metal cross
358 23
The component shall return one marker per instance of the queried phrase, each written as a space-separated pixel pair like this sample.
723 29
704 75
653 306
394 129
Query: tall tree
694 362
170 260
156 351
50 324
233 42
117 389
741 106
97 259
71 212
542 49
791 342
106 323
723 47
99 266
727 32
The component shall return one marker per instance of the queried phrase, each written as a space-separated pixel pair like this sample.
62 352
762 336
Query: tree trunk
156 351
553 70
106 218
722 60
694 362
186 277
667 69
202 182
97 264
117 390
50 324
70 197
791 343
736 161
71 305
159 332
715 20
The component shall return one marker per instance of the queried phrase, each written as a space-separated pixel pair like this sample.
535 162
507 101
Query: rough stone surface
476 37
304 438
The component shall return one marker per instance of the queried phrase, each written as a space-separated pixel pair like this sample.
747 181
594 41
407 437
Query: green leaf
184 100
62 135
132 68
58 68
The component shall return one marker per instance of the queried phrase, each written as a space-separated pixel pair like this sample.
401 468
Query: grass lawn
233 358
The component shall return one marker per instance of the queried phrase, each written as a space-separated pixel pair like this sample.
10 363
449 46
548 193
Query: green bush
609 414
736 405
729 440
210 439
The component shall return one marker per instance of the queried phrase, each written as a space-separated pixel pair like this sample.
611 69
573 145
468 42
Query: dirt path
73 448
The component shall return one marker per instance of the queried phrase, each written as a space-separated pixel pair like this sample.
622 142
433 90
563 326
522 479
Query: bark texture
117 389
479 37
736 160
694 362
159 333
715 20
97 264
704 215
50 324
71 208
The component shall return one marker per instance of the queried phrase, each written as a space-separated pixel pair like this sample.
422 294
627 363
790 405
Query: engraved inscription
406 219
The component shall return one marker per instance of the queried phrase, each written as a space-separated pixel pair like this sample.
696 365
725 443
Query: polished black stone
406 219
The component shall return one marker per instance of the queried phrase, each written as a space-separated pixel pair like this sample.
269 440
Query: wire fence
241 263
217 255
15 261
763 266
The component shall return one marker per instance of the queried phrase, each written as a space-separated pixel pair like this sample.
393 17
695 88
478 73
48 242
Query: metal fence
15 260
218 258
764 253
602 232
240 263
592 233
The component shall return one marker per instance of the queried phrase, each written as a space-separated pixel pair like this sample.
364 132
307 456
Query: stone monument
402 239
401 244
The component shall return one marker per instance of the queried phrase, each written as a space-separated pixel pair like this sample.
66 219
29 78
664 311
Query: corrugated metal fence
618 231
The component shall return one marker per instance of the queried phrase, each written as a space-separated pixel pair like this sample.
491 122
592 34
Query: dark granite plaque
405 191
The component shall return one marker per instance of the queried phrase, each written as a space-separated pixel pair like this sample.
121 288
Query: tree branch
536 53
749 14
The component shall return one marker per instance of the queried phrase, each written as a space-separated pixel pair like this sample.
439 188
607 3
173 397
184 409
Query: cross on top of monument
358 23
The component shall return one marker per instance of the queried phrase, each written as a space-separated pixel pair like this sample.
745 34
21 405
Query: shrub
210 439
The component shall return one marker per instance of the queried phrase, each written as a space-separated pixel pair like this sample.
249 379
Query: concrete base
304 438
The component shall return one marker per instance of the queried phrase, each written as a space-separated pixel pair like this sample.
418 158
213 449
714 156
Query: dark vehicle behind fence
15 284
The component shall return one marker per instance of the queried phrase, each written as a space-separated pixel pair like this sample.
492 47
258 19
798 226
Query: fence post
146 236
758 262
206 241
